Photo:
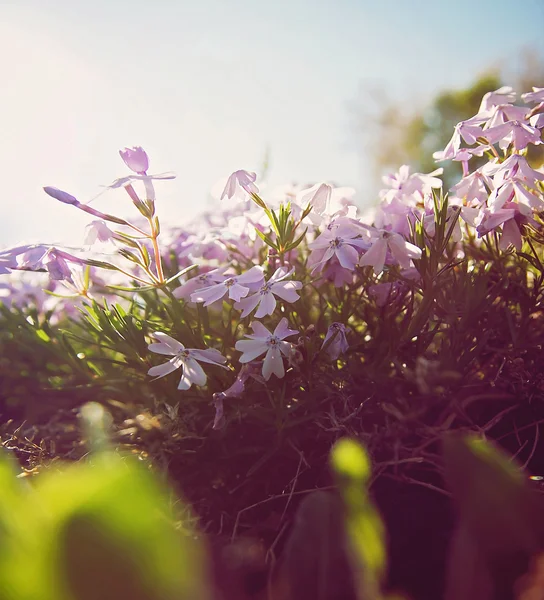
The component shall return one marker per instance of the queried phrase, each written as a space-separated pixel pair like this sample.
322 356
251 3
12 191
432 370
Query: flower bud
60 195
135 158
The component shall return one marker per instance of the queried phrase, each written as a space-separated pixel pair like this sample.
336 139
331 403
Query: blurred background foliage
407 130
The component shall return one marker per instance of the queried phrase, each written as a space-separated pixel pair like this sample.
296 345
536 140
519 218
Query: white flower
238 183
183 357
236 286
273 344
264 297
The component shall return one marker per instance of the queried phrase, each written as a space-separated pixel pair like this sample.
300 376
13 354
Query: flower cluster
282 262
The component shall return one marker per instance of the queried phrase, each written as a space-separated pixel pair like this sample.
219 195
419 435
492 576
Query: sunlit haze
210 87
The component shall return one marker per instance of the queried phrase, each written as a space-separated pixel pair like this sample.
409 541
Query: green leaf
294 244
112 536
504 516
316 562
266 239
364 528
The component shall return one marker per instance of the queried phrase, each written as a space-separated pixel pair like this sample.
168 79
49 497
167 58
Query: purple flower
474 186
537 95
234 391
183 357
509 217
402 251
238 183
136 159
186 289
97 230
335 342
236 286
503 95
264 297
273 344
517 133
57 266
339 240
515 189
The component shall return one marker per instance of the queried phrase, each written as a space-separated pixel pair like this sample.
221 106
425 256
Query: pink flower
273 344
517 133
186 289
503 95
339 240
237 287
248 370
502 113
474 186
516 166
509 217
537 95
135 159
57 266
335 342
264 297
468 130
402 251
238 183
97 230
514 188
183 357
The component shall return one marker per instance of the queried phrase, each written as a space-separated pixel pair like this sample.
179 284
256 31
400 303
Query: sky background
207 87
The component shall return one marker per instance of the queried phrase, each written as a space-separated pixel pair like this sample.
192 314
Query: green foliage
100 529
105 528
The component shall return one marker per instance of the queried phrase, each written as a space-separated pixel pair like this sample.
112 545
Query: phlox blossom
135 159
402 251
537 95
273 344
97 230
239 182
264 297
335 342
340 240
235 286
188 358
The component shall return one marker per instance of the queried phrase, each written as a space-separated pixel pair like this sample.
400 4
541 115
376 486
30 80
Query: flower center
272 341
230 282
265 289
184 354
336 243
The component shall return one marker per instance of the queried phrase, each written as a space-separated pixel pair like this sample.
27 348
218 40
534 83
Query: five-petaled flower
188 358
236 286
264 297
273 344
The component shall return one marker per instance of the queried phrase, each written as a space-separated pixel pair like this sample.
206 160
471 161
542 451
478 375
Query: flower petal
273 364
209 355
250 349
282 329
248 304
168 341
259 331
192 373
267 305
166 368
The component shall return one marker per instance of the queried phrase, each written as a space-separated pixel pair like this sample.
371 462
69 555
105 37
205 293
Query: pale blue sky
206 87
